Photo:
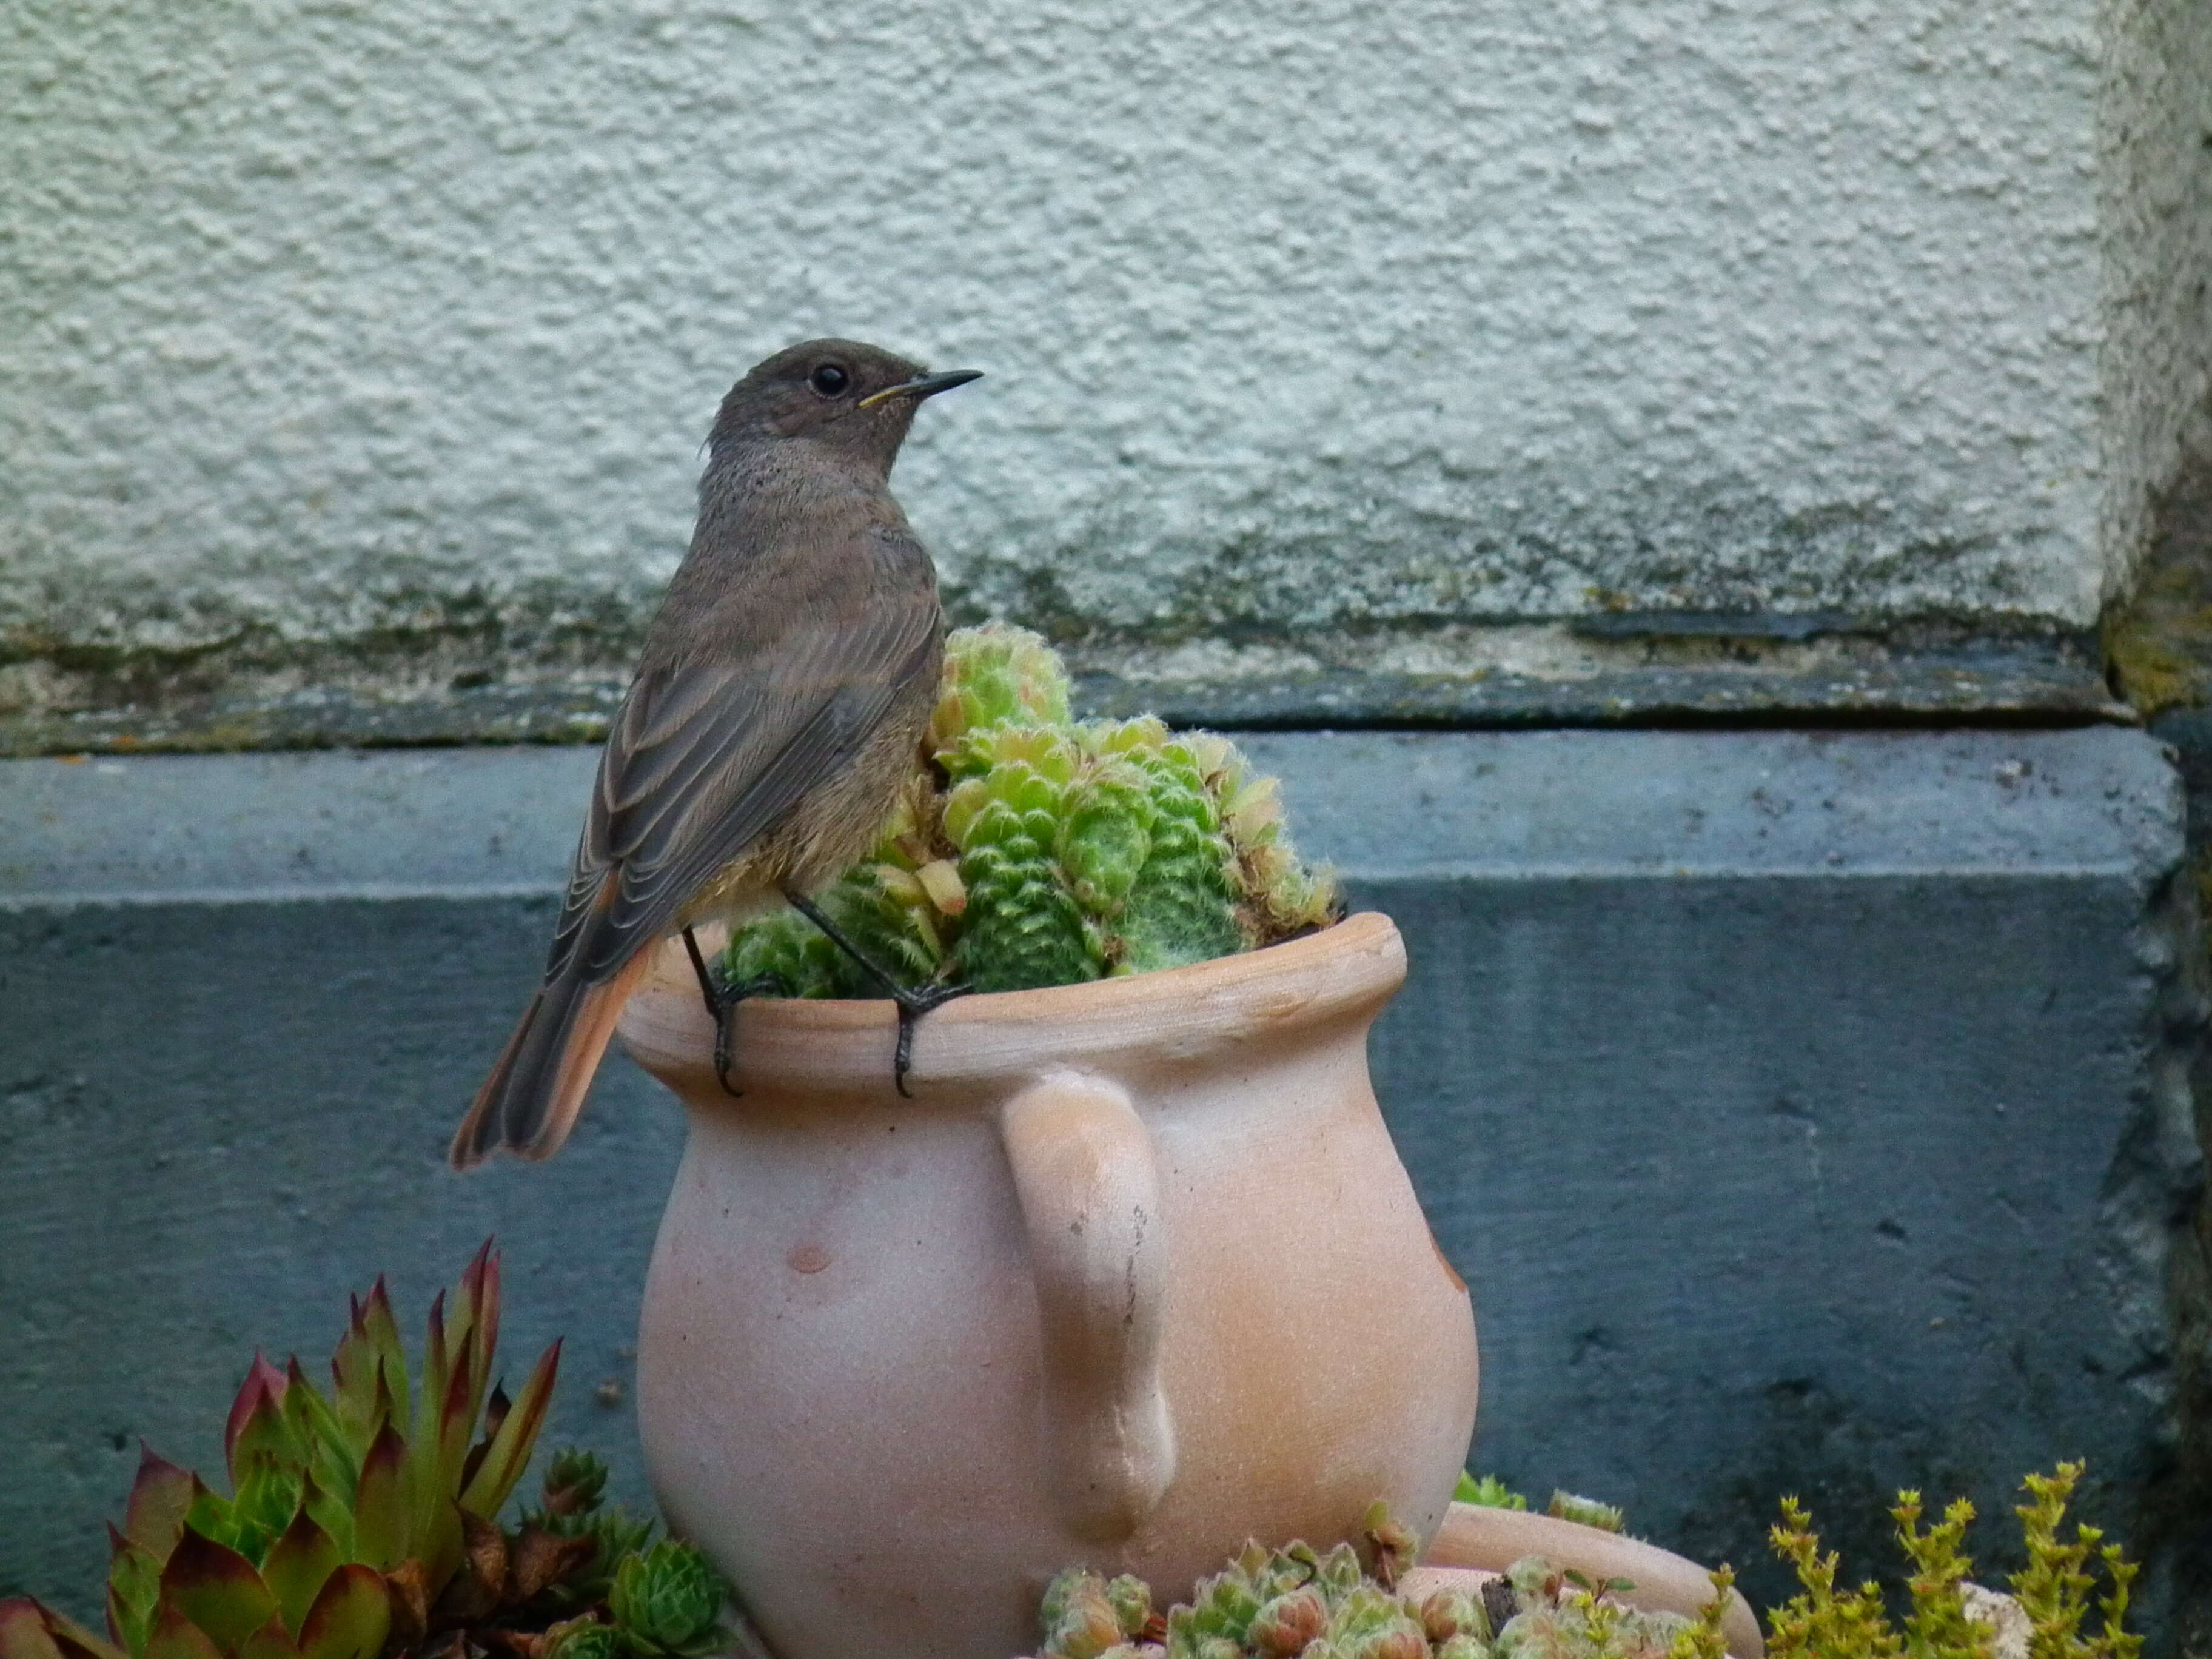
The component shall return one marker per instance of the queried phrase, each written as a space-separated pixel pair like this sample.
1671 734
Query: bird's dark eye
829 380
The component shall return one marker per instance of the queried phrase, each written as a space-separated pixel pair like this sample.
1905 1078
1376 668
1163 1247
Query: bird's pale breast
829 827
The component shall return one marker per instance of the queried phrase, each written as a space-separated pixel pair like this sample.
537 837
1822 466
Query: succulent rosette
363 1522
1296 1602
666 1603
349 1518
1029 848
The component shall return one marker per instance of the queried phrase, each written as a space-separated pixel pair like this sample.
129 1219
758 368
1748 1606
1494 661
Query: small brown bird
783 689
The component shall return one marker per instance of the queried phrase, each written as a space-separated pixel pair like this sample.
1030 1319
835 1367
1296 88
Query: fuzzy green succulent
994 677
1298 1603
1032 849
363 1524
1584 1511
1554 1614
1021 924
1490 1493
1487 1491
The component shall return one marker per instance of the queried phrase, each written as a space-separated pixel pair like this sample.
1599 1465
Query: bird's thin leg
914 1002
722 1002
709 992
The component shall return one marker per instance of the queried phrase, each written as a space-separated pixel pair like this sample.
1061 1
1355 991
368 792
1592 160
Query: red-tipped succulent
357 1523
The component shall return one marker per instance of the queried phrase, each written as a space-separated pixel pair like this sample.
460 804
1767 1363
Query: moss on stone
2158 645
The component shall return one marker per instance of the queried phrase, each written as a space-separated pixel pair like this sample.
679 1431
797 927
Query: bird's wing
705 757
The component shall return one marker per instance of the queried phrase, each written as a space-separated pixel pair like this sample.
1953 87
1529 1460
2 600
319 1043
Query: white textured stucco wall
360 322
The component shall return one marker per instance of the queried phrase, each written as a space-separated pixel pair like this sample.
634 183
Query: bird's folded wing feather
705 757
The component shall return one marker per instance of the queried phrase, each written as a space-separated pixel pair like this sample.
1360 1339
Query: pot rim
1343 972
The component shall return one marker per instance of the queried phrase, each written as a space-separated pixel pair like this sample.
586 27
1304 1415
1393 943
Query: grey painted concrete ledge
1637 669
1809 1112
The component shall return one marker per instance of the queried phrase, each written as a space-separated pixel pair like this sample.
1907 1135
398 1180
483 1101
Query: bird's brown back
803 620
781 691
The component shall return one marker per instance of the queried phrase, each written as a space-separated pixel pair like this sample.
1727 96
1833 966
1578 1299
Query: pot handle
1089 1196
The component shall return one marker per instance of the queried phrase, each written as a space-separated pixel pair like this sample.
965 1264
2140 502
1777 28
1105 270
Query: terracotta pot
1477 1543
1136 1274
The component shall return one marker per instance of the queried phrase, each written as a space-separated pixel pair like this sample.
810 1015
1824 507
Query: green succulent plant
994 677
364 1522
1584 1511
1294 1603
570 1508
582 1638
1021 923
349 1517
1553 1614
666 1603
2057 1591
1488 1492
1032 849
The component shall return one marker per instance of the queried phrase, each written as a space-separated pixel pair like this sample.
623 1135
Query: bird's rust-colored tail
530 1101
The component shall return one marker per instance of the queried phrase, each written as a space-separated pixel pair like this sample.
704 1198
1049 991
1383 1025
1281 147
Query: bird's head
859 399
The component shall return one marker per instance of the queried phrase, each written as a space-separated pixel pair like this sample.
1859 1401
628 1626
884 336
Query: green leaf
353 1384
210 1516
1489 1492
371 1370
456 1418
479 1307
438 1546
503 1464
134 1585
331 1459
175 1637
351 1619
582 1638
256 1428
379 1504
215 1588
383 1413
383 1342
436 1457
331 1513
268 1497
160 1496
269 1642
423 1430
297 1566
576 1482
496 1406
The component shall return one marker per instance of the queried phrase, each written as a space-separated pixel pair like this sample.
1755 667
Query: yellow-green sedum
1031 848
2057 1591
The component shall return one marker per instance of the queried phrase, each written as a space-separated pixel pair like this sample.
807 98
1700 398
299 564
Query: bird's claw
722 1000
913 1003
724 1008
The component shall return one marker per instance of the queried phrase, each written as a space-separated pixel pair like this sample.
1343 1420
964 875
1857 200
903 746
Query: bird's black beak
924 385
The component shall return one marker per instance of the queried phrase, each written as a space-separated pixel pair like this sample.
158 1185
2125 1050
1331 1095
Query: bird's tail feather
530 1101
